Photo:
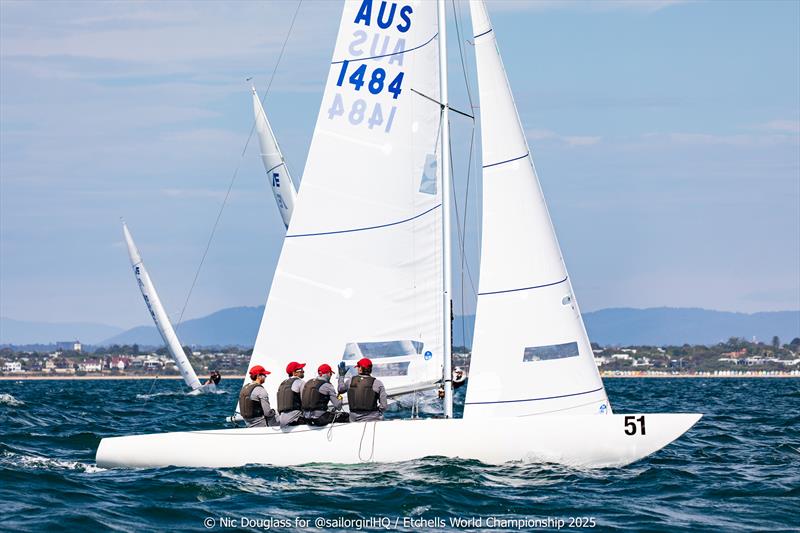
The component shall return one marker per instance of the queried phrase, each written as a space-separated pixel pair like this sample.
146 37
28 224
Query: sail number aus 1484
631 426
375 82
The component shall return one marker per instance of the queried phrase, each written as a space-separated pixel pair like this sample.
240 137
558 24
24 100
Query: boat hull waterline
583 441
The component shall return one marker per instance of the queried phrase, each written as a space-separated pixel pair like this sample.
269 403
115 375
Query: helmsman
254 402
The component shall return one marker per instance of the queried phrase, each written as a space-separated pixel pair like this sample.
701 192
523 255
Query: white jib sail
159 315
360 272
530 354
274 164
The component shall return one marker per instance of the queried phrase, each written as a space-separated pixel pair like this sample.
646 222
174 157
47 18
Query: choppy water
738 469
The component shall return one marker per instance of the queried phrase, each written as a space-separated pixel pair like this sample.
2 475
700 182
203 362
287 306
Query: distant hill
621 326
660 326
25 332
232 326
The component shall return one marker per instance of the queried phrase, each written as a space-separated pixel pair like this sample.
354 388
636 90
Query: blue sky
666 135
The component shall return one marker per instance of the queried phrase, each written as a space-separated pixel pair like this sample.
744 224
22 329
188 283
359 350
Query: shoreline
96 378
241 377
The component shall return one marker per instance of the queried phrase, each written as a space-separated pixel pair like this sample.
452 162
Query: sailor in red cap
317 393
366 395
289 410
253 400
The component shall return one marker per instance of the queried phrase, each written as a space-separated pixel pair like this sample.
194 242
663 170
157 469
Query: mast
444 150
158 313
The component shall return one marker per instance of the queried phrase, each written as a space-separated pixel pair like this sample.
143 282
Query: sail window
554 351
379 350
390 369
428 183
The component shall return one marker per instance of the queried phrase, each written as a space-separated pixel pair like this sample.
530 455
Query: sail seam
482 34
524 288
535 399
366 228
387 55
276 166
507 161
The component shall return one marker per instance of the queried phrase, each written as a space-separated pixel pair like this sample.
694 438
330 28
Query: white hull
590 441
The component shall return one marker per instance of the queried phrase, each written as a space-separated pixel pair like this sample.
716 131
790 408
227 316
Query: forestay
274 164
360 272
531 354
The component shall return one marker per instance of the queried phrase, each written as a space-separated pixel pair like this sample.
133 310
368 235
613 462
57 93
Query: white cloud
785 126
646 6
193 193
710 139
569 140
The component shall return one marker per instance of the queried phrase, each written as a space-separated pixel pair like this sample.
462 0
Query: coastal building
12 367
119 363
74 346
90 365
152 364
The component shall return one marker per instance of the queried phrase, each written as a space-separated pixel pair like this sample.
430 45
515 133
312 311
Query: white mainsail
274 164
158 313
530 353
361 269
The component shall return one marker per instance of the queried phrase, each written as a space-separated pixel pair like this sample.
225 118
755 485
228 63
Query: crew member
459 378
214 378
289 409
254 402
315 397
366 395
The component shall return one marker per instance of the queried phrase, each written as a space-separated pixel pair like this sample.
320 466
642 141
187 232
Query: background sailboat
274 163
160 316
364 270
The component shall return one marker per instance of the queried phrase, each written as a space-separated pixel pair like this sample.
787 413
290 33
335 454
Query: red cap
258 370
294 366
364 363
324 369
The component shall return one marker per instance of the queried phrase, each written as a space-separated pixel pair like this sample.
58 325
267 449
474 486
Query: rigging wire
461 225
238 166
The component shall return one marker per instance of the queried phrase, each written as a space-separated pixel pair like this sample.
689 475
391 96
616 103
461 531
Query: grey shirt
377 386
326 389
290 416
260 395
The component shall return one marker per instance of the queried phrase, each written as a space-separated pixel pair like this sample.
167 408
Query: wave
160 394
180 394
7 399
207 389
38 462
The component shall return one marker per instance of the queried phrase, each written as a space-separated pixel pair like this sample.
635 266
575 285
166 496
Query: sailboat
285 194
365 271
274 163
161 319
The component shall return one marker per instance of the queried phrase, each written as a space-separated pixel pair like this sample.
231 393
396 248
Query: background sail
158 313
530 353
360 272
274 164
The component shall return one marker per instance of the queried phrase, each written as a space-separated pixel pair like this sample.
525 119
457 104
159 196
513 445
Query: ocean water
738 469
